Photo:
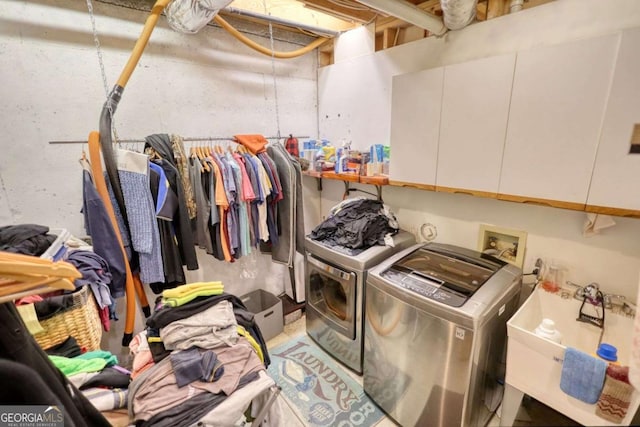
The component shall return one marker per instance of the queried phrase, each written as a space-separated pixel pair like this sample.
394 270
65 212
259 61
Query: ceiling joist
355 12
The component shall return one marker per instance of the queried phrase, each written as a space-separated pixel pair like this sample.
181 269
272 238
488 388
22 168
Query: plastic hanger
84 162
32 287
23 275
202 156
58 269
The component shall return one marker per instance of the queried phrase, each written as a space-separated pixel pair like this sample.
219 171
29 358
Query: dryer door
331 293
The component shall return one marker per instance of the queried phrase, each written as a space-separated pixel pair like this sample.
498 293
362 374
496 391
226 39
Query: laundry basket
81 321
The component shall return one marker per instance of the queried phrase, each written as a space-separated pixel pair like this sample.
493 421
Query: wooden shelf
374 180
427 187
311 173
348 178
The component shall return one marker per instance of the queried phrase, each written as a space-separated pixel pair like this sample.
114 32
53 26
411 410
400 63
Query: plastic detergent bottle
547 329
608 353
338 165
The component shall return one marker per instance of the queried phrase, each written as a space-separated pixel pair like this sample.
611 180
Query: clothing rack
189 139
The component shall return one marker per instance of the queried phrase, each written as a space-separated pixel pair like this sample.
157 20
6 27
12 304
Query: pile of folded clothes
95 373
202 359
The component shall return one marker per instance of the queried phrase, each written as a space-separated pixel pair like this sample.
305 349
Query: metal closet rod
189 139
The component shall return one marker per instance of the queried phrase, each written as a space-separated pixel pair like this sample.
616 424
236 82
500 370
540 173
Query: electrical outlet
428 232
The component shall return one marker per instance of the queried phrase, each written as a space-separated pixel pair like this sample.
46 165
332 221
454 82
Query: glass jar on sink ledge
553 278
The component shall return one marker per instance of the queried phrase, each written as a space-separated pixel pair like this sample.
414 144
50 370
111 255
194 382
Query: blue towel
582 375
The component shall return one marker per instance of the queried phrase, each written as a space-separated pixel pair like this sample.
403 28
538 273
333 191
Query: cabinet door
475 107
557 107
616 176
415 117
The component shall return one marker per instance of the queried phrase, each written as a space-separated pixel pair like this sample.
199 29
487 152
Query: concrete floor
532 413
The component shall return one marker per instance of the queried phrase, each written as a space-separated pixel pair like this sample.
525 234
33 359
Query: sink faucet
626 307
590 291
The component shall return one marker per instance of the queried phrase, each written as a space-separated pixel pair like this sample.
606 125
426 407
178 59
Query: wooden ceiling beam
481 11
390 37
496 8
362 15
533 3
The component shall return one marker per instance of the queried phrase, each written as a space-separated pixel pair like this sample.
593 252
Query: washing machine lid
444 273
363 260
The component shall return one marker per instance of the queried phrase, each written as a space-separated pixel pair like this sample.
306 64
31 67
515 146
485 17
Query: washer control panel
432 289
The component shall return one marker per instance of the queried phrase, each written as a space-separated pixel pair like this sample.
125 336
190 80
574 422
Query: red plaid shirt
292 146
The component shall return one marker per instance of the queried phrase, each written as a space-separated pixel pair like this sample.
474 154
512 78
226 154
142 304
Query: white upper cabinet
475 109
557 108
616 176
416 100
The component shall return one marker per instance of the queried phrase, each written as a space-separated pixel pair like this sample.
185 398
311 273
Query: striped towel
616 395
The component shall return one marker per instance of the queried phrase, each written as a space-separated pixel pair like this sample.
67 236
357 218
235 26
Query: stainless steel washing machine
435 334
335 295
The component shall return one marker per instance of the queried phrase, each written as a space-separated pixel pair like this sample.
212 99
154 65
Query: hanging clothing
200 226
162 146
254 227
214 214
272 199
104 238
171 149
246 196
265 189
240 211
232 212
223 206
290 209
181 162
181 223
133 171
122 227
171 259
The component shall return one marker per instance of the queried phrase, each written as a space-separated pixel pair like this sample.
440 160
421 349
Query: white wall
207 84
354 98
354 94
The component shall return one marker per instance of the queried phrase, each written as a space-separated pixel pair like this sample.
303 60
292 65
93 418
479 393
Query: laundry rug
318 389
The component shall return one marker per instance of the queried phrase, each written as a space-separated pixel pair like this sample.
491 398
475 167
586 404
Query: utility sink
534 364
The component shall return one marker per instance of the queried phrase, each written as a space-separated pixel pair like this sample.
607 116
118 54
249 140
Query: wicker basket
81 321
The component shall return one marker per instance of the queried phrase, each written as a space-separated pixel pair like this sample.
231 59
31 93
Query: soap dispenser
547 329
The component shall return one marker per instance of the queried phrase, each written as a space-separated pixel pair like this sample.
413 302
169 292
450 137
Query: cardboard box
268 312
